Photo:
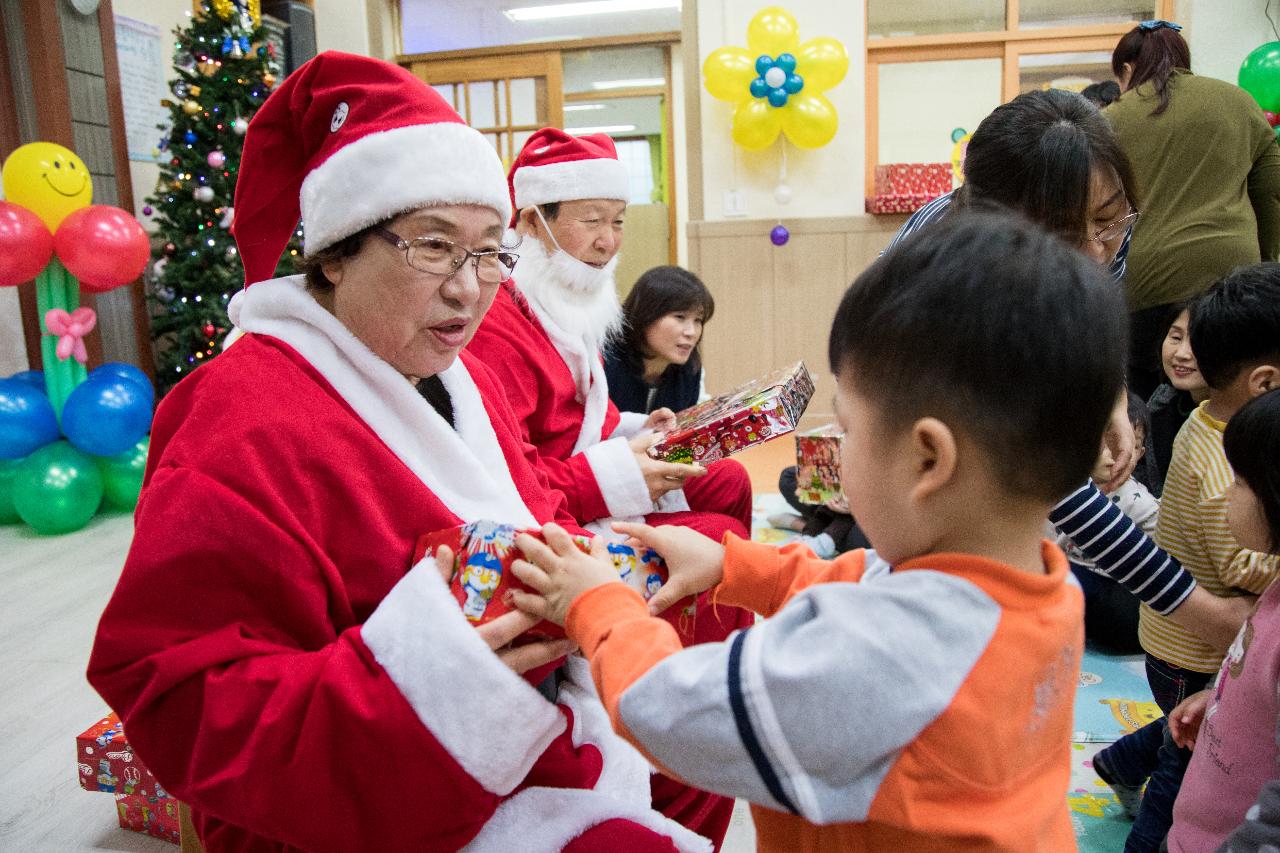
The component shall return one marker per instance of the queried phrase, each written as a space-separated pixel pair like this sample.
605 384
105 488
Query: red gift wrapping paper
818 465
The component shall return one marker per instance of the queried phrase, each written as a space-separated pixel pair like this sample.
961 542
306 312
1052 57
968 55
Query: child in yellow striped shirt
1235 334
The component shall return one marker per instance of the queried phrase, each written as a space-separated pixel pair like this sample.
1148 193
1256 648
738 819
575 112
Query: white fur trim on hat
387 173
571 180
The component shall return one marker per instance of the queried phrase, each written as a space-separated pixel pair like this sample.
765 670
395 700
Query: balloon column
777 84
68 438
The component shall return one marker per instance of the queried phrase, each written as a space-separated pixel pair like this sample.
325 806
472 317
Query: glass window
895 18
524 101
483 105
635 154
1072 71
923 103
1075 13
446 92
609 68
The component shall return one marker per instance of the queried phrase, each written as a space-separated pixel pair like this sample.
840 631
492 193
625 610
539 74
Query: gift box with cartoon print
753 413
483 554
106 762
818 465
156 816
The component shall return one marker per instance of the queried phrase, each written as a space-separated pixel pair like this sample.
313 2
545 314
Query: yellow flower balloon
48 180
777 82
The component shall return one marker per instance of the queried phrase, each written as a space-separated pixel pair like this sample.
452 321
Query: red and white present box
484 551
106 762
907 187
753 413
156 816
818 465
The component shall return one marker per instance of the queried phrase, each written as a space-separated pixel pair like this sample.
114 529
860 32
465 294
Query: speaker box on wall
293 31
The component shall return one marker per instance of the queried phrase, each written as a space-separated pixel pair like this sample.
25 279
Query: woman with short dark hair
1208 169
655 362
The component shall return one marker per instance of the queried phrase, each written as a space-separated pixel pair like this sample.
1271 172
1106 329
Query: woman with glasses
282 662
1206 164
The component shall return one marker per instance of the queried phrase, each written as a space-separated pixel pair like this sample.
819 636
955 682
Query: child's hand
559 572
499 633
694 562
1185 720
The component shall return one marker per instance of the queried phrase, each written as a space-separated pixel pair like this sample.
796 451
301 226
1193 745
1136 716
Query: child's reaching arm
791 713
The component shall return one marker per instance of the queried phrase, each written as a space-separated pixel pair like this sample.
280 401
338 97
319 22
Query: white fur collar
464 468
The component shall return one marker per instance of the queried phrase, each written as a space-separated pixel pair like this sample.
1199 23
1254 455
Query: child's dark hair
1037 155
658 292
1237 323
1003 331
1101 94
1252 445
1152 55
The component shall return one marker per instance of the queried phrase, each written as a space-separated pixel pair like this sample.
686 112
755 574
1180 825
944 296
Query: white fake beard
580 299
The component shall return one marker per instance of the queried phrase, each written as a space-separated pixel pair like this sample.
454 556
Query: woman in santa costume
278 660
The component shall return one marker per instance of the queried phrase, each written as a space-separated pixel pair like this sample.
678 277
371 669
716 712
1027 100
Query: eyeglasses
1107 233
439 256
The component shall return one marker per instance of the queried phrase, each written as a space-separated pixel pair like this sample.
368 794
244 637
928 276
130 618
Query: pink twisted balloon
71 329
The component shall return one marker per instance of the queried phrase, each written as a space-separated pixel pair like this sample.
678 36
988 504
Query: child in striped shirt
1235 333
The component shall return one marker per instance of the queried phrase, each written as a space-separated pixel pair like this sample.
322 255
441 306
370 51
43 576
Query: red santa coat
603 480
278 661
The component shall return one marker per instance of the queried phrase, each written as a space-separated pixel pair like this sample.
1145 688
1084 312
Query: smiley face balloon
47 179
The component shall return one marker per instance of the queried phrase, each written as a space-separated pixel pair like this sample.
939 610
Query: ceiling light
593 7
639 82
574 108
607 128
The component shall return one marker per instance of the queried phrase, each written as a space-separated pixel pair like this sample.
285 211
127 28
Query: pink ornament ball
216 159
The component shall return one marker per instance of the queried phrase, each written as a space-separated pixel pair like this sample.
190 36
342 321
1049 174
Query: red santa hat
345 142
554 166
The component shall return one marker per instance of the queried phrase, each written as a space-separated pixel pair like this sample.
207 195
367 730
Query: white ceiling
433 25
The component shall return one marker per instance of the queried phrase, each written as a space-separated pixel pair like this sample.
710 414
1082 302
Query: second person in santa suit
543 339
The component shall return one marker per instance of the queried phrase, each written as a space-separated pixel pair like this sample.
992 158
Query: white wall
1221 33
679 153
922 102
827 181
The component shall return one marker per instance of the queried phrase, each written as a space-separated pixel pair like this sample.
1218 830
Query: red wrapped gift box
106 762
483 553
818 465
906 187
756 412
156 816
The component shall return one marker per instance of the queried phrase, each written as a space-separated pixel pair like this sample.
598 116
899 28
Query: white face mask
572 274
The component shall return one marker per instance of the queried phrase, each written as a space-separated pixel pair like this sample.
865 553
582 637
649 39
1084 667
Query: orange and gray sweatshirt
921 707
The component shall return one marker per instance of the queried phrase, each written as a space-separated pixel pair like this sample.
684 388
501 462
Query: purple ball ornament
147 211
779 235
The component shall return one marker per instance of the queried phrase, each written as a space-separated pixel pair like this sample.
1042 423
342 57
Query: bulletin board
141 85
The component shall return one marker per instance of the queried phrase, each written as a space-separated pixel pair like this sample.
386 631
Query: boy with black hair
1235 335
919 696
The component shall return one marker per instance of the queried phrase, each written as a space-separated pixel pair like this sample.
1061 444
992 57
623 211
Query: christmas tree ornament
203 194
217 159
147 211
189 137
195 91
240 127
228 216
170 248
269 80
237 52
180 89
190 107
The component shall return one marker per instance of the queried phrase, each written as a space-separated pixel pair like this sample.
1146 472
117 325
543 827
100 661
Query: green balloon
57 489
122 474
8 468
1260 75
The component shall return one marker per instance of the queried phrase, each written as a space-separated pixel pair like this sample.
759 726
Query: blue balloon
34 378
763 63
27 419
106 415
120 370
759 88
794 84
786 62
778 97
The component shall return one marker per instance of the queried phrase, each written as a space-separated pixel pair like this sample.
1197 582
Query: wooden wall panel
774 305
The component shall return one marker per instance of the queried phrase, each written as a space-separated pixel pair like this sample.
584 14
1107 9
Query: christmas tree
224 70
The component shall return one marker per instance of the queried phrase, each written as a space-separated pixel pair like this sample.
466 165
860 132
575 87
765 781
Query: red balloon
1272 118
102 246
25 244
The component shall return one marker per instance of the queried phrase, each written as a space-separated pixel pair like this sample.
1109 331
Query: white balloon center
775 77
